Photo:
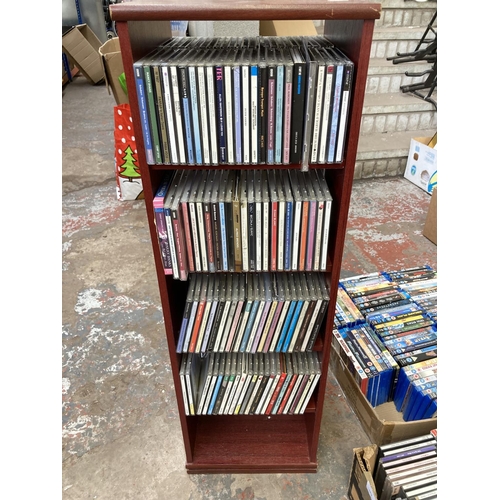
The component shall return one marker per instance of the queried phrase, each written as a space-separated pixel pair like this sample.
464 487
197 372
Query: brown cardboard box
112 65
81 45
383 424
430 227
361 483
287 28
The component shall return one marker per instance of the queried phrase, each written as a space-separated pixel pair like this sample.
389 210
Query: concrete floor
121 438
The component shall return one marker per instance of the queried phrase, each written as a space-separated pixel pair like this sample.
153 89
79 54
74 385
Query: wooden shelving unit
251 443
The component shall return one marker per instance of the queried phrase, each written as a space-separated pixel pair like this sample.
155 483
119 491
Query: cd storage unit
259 442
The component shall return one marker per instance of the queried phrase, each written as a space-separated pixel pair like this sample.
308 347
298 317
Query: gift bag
127 169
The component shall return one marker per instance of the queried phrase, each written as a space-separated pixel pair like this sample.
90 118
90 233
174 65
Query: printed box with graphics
421 166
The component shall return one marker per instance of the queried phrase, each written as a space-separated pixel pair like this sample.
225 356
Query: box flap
430 227
361 482
433 142
112 64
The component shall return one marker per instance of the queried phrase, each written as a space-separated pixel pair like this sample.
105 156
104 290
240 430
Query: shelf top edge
244 10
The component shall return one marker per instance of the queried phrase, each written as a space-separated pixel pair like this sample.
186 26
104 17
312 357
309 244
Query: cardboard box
361 484
430 227
287 28
421 166
81 45
112 66
364 472
383 424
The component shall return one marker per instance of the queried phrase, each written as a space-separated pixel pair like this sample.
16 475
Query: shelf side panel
136 40
354 38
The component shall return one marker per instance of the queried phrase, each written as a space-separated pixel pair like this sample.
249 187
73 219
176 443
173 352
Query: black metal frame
426 50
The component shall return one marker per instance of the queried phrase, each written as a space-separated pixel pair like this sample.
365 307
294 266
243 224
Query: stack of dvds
373 292
411 274
424 293
370 363
242 221
401 308
404 331
253 313
248 384
244 101
373 303
346 312
415 394
420 285
397 312
407 470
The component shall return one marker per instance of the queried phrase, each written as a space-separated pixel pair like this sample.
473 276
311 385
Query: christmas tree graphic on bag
127 169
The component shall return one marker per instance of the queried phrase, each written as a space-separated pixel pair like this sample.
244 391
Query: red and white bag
127 169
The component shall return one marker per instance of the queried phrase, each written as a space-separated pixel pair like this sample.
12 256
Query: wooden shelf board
254 469
242 10
329 166
253 443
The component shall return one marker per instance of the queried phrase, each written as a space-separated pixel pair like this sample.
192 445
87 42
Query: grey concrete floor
121 437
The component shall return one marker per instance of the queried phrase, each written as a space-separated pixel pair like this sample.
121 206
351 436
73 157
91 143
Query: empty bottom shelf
231 444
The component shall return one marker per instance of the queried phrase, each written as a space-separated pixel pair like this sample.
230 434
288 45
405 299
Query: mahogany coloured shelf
251 443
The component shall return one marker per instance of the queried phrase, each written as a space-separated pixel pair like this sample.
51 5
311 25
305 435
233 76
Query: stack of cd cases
248 384
242 221
244 101
253 313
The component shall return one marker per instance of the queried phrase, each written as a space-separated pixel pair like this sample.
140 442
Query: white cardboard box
421 166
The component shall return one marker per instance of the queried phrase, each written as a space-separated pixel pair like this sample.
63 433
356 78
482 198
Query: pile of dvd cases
386 334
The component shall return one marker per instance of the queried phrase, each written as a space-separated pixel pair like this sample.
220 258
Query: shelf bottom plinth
252 444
